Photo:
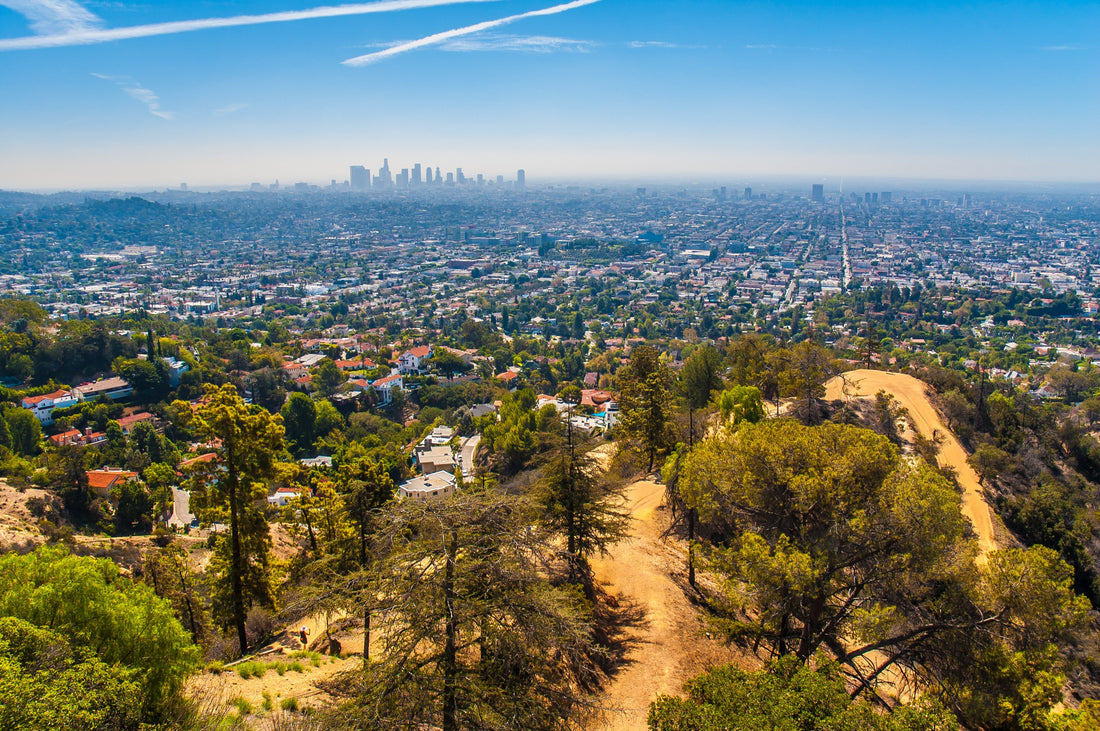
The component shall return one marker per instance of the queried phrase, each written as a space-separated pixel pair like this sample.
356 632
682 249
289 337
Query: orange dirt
913 395
669 645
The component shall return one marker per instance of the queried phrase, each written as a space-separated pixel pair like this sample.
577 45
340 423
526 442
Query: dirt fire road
669 645
912 394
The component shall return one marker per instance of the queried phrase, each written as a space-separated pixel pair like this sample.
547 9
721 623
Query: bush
103 615
289 704
244 708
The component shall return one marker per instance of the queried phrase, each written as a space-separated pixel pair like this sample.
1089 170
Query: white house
428 487
412 361
385 386
282 496
42 406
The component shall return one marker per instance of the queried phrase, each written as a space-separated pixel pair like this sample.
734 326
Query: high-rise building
459 177
886 196
438 177
867 198
403 178
428 179
500 180
360 177
817 193
415 180
480 179
383 179
450 178
521 178
748 194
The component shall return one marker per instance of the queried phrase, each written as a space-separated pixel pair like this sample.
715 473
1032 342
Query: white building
42 406
428 487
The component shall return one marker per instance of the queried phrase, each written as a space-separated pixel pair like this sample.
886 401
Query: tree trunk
450 664
366 601
236 571
187 598
691 547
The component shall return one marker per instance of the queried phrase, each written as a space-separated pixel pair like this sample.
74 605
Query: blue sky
104 94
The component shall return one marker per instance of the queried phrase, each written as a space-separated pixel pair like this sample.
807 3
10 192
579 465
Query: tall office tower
867 198
886 196
480 179
459 177
428 179
722 192
450 178
415 180
748 194
521 178
500 180
360 177
966 200
817 193
403 178
438 177
383 179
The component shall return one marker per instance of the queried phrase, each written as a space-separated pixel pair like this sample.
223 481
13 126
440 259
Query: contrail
86 36
446 35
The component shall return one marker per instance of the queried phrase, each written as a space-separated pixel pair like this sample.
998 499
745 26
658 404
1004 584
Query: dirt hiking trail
668 645
913 395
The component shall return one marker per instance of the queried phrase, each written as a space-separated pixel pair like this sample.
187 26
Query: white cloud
653 44
54 16
229 109
139 92
528 44
439 38
84 35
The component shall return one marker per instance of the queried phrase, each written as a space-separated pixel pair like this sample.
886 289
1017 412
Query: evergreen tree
644 404
250 440
580 503
473 636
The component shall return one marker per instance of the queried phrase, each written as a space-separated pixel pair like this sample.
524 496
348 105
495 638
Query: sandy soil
17 525
912 394
668 645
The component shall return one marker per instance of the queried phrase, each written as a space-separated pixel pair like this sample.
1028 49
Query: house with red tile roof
412 361
42 406
101 481
385 386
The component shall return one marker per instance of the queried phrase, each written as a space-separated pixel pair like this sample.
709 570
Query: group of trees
831 548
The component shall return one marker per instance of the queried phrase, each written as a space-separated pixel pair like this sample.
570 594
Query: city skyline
126 96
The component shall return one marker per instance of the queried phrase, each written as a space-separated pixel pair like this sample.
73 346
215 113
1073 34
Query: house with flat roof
113 388
433 486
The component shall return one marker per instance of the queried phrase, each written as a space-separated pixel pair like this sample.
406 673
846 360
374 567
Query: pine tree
644 404
250 440
580 503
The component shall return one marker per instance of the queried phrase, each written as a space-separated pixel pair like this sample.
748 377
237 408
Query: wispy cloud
229 109
440 38
652 44
523 44
1062 48
139 92
54 16
83 35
